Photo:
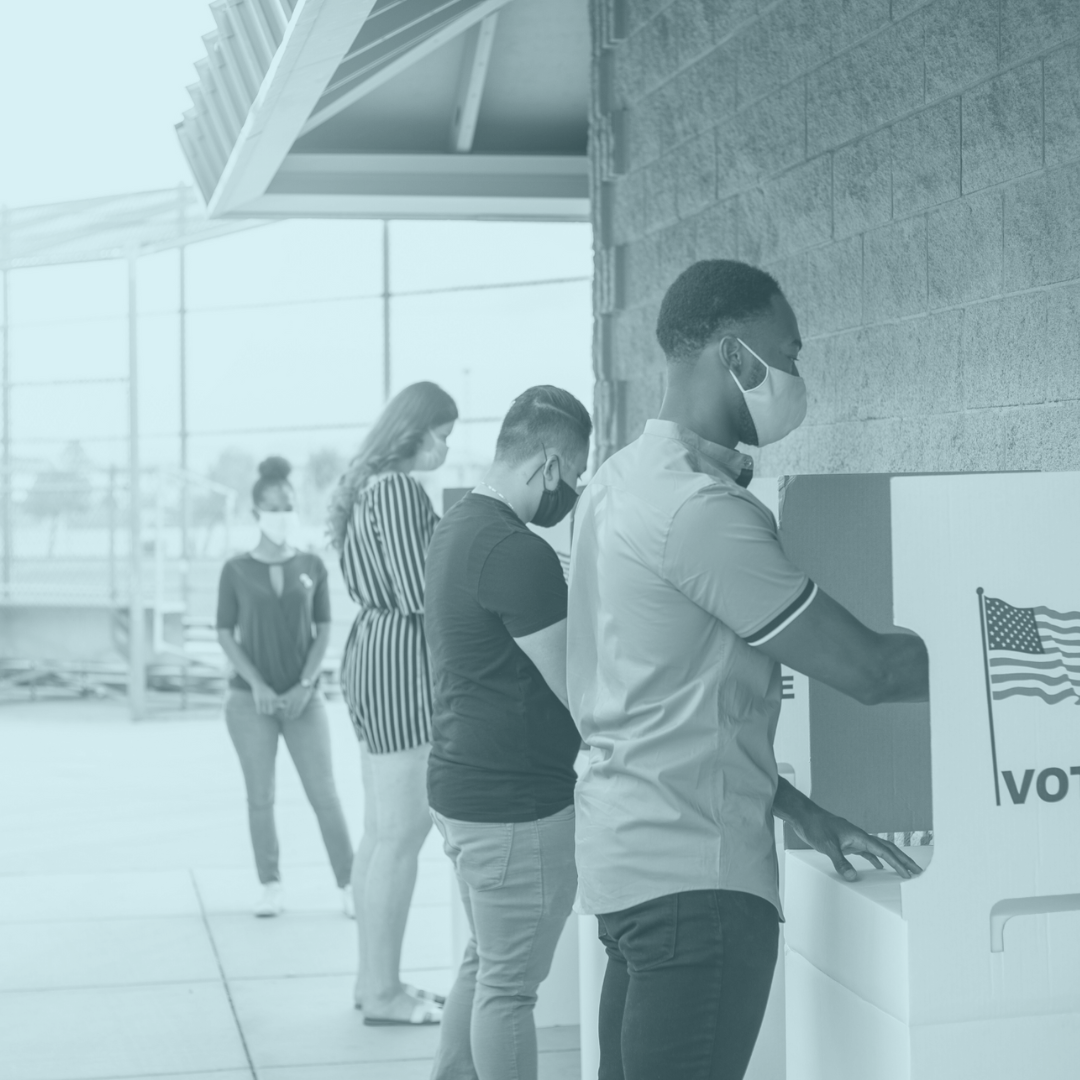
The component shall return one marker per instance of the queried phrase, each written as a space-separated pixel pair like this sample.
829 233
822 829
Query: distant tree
61 492
320 474
234 468
323 468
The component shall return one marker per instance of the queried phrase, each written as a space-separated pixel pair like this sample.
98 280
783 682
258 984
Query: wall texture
909 171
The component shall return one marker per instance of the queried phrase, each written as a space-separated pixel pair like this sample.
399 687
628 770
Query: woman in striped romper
381 521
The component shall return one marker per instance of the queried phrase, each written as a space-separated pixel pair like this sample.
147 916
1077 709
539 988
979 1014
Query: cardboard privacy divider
972 969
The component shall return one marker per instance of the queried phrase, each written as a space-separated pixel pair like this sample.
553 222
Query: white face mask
777 404
277 525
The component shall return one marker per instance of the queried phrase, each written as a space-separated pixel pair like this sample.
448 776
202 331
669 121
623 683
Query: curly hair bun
274 470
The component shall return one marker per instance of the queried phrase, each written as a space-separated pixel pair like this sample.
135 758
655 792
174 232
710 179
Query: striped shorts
386 682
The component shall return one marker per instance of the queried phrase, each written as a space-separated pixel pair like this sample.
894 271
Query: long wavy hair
392 442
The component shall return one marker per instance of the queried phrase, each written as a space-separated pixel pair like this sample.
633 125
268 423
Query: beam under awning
471 87
427 186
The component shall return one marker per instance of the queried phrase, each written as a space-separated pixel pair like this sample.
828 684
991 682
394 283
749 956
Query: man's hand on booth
836 837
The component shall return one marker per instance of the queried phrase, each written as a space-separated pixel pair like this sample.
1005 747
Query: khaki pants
518 881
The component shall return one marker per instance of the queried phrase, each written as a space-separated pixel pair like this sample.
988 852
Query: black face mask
555 505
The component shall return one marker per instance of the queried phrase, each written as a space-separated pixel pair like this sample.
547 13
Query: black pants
687 981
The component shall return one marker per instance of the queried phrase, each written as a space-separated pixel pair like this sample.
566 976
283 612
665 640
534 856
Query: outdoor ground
126 944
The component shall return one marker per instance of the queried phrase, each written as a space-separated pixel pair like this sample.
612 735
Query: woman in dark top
381 521
274 624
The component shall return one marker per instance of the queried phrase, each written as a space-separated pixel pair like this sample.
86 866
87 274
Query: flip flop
425 995
421 995
421 1016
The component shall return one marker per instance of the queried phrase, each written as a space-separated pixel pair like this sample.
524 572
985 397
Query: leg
256 737
700 967
453 1059
612 1006
361 864
308 740
399 783
518 918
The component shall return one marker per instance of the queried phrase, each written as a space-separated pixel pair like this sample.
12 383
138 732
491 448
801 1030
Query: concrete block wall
909 171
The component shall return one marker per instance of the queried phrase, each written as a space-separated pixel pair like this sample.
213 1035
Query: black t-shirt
274 631
503 745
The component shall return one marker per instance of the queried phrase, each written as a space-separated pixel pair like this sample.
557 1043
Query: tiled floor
127 946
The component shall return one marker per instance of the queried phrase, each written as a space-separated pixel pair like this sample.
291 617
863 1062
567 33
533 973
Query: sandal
426 995
423 1014
421 995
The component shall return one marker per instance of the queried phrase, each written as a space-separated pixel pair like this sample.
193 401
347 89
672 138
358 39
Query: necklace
495 491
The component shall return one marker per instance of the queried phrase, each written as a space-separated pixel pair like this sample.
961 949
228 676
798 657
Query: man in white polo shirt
682 606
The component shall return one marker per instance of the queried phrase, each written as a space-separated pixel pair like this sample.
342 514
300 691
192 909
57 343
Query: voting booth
973 968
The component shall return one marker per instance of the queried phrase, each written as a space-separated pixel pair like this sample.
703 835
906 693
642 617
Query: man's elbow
896 672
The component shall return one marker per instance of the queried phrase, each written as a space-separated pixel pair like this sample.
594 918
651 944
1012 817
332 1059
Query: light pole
136 614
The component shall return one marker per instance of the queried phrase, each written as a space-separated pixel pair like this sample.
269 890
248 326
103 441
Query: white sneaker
347 905
271 902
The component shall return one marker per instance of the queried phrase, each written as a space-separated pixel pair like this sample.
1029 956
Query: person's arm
836 837
294 701
407 522
547 650
522 582
723 552
296 698
228 616
826 642
266 700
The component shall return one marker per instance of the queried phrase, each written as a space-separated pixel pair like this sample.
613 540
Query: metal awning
393 108
113 227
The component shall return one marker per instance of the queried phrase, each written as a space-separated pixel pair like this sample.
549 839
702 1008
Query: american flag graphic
1033 652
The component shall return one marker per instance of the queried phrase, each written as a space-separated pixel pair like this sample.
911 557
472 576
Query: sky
89 94
279 336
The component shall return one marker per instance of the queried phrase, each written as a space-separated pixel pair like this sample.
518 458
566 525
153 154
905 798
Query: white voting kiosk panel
973 968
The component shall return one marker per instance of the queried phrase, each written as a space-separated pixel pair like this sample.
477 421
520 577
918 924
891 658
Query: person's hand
835 837
294 701
267 702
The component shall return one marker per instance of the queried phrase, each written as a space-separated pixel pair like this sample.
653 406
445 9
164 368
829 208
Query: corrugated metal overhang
397 108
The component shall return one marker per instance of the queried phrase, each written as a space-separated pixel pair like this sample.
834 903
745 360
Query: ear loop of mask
758 359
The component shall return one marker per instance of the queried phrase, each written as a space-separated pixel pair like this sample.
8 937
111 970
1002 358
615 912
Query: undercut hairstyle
273 472
705 298
543 418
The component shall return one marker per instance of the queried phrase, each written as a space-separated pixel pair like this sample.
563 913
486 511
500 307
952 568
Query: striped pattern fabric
384 671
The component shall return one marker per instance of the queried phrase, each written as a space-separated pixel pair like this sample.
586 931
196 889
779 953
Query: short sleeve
228 603
522 582
723 552
406 522
320 603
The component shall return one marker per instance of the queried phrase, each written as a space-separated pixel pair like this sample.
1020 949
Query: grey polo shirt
676 573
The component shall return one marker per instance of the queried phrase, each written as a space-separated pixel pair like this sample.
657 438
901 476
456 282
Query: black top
503 745
274 631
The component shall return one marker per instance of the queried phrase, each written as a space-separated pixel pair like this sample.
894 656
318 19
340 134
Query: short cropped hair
705 297
543 418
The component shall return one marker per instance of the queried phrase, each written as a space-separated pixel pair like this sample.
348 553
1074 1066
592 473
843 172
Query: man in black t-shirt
501 771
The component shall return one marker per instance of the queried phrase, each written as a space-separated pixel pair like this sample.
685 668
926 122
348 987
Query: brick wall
909 171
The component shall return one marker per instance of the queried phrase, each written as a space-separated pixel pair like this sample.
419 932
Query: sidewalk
127 946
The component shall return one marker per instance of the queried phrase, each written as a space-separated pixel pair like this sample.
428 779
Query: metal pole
136 615
184 506
112 534
386 308
5 452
